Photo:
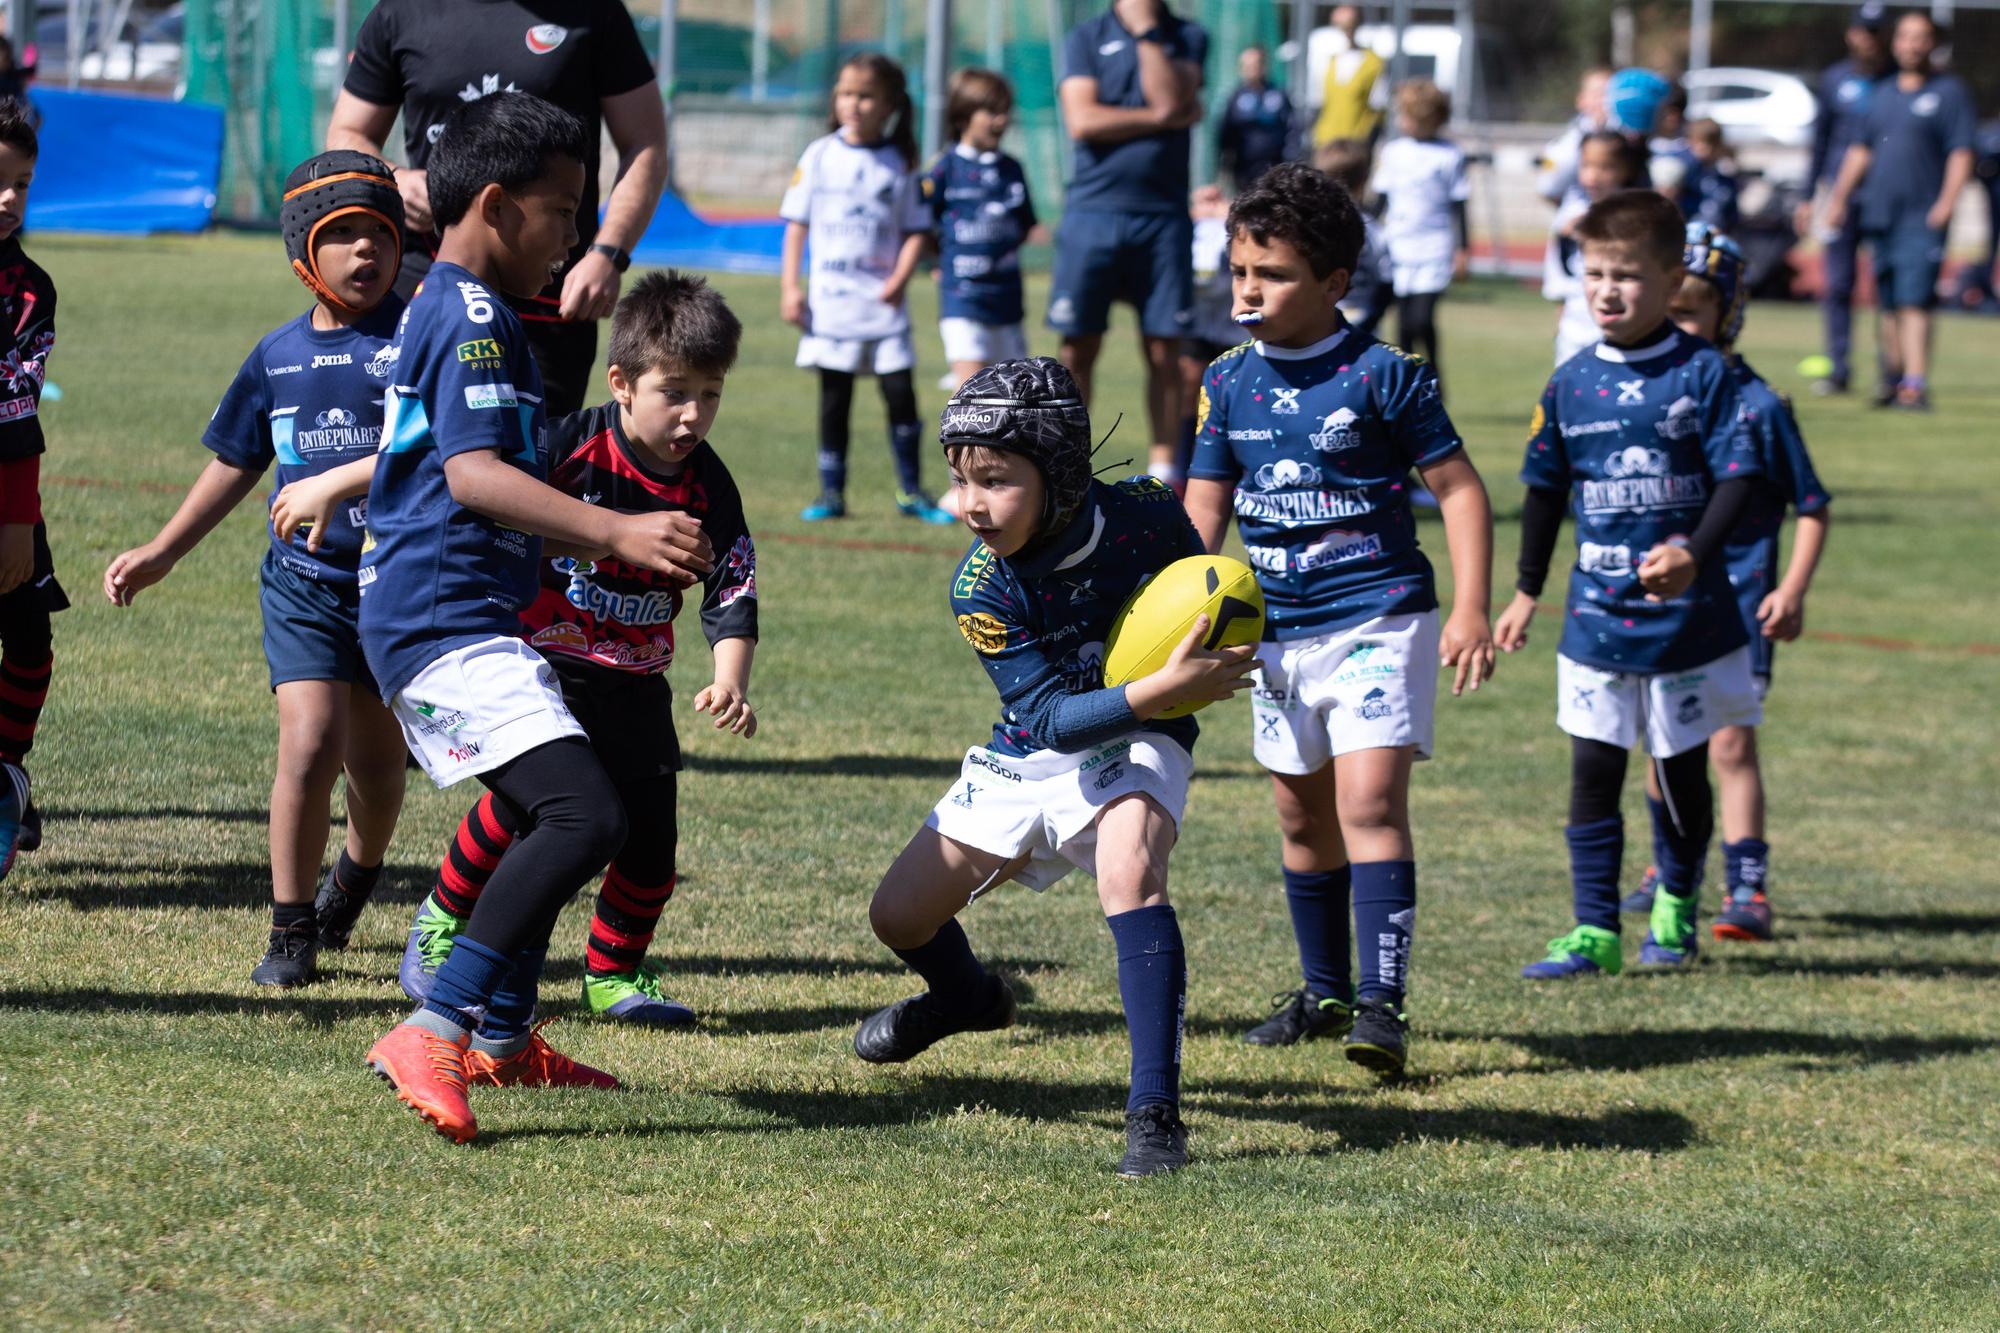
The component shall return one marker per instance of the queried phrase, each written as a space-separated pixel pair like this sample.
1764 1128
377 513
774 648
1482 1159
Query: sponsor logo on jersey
546 37
1925 104
1271 559
1592 428
1683 419
1639 493
337 428
982 759
1267 726
1636 461
1688 712
323 359
1113 773
1631 393
629 608
1374 706
1201 411
480 396
1085 669
1537 421
436 721
1260 435
1606 560
1287 404
964 799
1337 431
275 371
1286 472
482 352
972 573
1289 508
985 633
969 418
384 360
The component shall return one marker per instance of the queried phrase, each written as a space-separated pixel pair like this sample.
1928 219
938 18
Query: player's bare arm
219 489
1957 171
637 123
364 127
728 697
1782 614
310 501
1193 672
1466 642
1090 121
671 544
907 260
1852 168
792 298
1208 505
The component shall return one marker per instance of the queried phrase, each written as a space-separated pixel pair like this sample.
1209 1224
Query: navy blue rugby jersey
983 212
439 576
1789 481
1640 437
1040 625
310 400
1319 442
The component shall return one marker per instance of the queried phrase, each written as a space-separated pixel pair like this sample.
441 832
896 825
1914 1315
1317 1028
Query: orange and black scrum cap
333 185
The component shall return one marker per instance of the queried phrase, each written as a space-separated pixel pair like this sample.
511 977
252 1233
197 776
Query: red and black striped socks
622 927
484 836
24 688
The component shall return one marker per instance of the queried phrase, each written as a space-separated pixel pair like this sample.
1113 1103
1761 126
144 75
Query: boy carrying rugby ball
1076 775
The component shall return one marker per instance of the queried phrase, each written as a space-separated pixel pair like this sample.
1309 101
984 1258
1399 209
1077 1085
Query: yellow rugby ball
1159 615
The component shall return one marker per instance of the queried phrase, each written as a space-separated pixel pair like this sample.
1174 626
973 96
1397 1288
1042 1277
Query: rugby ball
1159 615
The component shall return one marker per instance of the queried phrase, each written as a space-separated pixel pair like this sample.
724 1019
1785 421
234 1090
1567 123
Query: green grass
1800 1136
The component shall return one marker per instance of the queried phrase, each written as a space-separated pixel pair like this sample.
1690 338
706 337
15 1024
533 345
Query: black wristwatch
619 259
1156 34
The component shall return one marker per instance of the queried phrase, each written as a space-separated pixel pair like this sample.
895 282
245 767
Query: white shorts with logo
479 706
1672 711
1371 686
1046 804
1419 277
857 356
969 340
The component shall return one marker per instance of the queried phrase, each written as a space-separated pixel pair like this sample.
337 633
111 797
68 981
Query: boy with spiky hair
1076 774
458 510
29 593
308 399
608 629
1710 305
1308 433
1638 437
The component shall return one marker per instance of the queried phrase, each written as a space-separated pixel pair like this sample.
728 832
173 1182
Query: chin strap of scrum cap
335 185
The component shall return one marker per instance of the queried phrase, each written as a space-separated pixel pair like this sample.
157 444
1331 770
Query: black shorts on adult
1141 259
628 717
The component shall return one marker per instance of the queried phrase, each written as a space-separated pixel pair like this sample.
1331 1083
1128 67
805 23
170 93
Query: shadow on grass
1909 923
672 965
97 886
55 815
1629 1051
322 1012
1930 968
831 765
1357 1124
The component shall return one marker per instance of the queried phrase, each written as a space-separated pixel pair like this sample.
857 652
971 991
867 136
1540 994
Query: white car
1753 106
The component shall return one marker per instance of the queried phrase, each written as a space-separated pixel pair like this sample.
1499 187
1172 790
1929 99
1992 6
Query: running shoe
429 945
1746 916
1585 951
1380 1038
290 959
428 1073
1300 1015
1155 1141
910 1027
1675 937
14 807
337 910
917 505
634 997
831 504
1639 902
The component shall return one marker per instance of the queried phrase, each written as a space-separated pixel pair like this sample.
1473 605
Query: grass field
1796 1136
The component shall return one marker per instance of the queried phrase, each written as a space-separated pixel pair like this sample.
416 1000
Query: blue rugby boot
1639 902
1585 951
1674 939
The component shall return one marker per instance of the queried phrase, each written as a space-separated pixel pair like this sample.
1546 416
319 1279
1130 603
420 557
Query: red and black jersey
27 335
615 615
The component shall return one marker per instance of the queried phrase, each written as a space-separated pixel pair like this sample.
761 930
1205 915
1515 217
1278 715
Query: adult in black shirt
422 58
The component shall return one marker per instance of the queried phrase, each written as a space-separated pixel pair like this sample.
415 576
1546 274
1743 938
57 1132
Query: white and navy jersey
439 576
309 400
619 616
1039 625
980 206
1422 179
858 202
1789 481
1319 442
1640 437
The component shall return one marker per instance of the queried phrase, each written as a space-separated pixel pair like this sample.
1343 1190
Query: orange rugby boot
428 1073
536 1065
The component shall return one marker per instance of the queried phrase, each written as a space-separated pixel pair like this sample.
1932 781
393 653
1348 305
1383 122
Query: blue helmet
1718 261
1634 97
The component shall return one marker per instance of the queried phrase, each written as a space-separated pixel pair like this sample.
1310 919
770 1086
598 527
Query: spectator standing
1914 146
1356 92
1256 130
426 57
1130 94
1557 172
1844 91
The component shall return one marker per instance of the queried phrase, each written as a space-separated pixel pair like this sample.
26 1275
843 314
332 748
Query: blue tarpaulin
679 237
124 164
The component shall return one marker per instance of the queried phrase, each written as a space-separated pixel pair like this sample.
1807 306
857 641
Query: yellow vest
1348 112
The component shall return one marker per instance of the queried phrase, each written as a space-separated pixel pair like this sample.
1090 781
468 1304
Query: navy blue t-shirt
1319 442
983 212
1146 174
311 400
1912 133
1255 133
1843 96
1640 437
439 576
1040 632
1789 481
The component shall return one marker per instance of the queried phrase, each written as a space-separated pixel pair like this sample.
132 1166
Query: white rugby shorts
1672 711
969 340
857 356
1421 277
479 706
1046 804
1372 686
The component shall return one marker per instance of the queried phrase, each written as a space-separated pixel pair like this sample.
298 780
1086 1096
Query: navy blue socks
1385 909
1596 854
1318 903
1678 855
949 967
510 1014
1746 864
466 982
1152 981
906 442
